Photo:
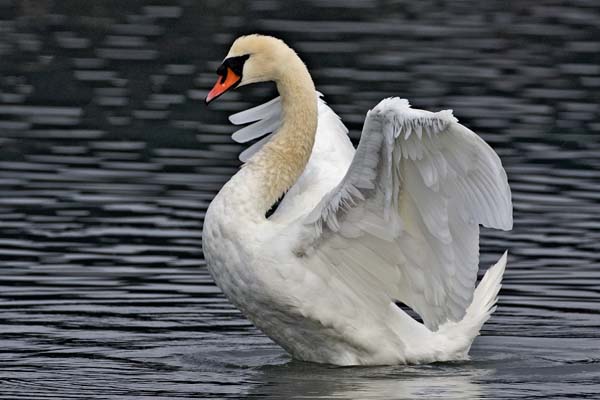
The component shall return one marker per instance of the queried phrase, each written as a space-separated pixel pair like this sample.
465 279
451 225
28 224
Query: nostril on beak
222 71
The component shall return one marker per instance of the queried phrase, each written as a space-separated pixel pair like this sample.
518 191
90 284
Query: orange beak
224 83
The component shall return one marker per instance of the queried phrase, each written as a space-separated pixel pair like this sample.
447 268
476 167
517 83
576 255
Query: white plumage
396 220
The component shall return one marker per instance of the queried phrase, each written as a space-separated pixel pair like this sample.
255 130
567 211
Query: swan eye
235 63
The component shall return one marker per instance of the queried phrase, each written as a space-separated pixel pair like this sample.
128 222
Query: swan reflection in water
267 372
297 379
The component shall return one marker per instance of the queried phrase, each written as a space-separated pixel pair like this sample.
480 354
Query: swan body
397 219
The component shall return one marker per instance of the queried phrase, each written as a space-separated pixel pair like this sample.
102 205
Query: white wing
403 222
263 119
330 158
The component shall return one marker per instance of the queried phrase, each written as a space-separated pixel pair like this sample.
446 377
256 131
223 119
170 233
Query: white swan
396 220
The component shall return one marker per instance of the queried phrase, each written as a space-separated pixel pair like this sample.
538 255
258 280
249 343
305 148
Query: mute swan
396 220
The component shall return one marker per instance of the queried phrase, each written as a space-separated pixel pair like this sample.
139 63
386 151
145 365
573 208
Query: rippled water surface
109 159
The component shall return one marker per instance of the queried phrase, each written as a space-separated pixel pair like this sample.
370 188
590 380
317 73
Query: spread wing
330 158
404 220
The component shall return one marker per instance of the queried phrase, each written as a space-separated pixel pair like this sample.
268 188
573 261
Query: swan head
251 59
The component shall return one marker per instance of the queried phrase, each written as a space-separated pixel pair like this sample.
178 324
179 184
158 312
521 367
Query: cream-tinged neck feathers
277 166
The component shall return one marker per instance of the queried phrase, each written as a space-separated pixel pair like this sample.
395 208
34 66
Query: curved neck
277 166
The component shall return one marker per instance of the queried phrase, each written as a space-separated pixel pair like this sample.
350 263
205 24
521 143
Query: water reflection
302 381
500 368
108 160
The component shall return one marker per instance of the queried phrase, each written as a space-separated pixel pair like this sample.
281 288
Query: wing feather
404 220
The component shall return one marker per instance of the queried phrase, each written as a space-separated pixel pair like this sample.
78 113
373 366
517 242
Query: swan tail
463 332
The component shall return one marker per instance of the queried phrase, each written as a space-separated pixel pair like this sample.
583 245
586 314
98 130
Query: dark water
109 158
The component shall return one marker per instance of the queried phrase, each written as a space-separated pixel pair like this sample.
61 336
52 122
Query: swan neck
277 166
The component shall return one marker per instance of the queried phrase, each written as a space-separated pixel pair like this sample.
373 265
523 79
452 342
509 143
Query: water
109 158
